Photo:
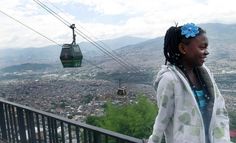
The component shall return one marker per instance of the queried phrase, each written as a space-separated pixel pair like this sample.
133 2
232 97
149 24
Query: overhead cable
42 35
105 51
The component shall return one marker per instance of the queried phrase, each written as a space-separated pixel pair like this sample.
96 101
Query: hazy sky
105 19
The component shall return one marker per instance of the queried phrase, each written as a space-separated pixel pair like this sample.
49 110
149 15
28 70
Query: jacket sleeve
221 126
165 101
221 120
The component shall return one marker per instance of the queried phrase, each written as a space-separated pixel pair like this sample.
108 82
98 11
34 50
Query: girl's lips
203 59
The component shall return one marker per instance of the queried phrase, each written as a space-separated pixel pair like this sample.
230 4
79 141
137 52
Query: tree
134 119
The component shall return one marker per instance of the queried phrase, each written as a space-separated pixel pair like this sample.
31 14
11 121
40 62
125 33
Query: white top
179 117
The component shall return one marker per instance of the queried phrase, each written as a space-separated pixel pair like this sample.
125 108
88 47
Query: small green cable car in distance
71 55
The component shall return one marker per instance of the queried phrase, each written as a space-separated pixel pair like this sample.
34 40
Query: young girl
191 108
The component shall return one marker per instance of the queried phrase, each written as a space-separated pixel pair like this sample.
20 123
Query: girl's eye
204 46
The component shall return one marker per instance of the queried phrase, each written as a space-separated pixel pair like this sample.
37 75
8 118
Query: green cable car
71 55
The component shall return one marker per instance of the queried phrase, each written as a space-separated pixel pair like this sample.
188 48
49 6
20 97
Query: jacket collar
206 76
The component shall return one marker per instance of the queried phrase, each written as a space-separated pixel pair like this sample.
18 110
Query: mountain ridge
144 54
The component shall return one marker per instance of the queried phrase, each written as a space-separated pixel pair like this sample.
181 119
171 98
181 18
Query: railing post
2 122
90 136
77 134
62 133
97 137
7 121
11 124
49 129
38 128
85 135
55 130
15 123
44 129
31 125
21 122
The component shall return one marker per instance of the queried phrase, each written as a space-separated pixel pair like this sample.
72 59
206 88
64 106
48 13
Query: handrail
22 124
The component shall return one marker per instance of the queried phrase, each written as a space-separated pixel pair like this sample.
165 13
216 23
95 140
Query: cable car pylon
71 55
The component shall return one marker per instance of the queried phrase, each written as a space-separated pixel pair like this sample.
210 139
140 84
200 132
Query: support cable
18 21
117 59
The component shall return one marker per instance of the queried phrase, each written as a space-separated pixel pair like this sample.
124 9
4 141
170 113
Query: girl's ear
182 48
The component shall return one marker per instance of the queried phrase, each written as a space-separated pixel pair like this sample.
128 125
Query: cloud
105 18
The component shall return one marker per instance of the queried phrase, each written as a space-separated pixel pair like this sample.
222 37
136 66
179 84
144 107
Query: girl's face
196 51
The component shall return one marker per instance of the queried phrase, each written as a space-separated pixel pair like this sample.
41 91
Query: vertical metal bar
11 124
27 123
49 129
8 124
77 134
32 126
55 129
85 135
15 123
106 138
117 140
90 136
44 130
69 132
52 129
21 123
97 137
62 133
38 127
2 122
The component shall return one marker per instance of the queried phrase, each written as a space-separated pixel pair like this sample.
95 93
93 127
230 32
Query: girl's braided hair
172 40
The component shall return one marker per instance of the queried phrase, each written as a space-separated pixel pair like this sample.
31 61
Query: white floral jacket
179 117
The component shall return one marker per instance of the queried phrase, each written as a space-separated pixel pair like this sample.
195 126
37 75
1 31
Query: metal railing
22 124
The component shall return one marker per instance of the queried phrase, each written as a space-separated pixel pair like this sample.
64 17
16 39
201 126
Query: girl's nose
206 52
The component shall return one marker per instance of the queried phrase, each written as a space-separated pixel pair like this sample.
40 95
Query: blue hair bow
189 30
